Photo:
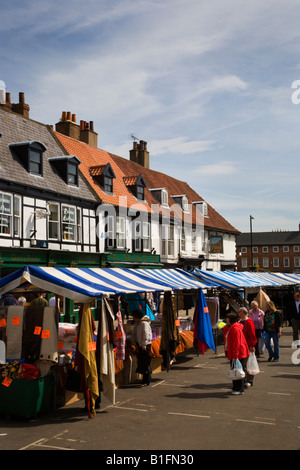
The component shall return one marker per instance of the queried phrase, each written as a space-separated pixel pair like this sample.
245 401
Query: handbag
252 365
236 373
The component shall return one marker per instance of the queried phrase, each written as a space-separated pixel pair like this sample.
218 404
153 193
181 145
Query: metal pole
251 242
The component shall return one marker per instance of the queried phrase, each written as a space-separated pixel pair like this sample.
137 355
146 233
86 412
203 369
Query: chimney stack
21 107
139 153
83 131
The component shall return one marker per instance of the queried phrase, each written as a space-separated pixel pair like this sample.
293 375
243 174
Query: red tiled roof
126 171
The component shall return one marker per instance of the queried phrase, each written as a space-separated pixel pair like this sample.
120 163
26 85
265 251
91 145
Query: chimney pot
7 98
69 116
74 118
64 116
21 97
91 125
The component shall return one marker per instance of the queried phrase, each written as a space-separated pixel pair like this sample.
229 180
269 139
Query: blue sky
208 84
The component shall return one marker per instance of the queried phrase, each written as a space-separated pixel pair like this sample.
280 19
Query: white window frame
17 216
286 262
265 262
164 197
296 248
244 262
182 240
286 249
265 249
275 249
243 249
6 215
120 232
254 249
66 213
54 222
146 236
296 262
275 262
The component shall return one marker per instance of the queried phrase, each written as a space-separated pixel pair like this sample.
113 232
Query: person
52 302
257 315
22 300
272 327
143 338
237 348
249 332
9 299
40 301
294 315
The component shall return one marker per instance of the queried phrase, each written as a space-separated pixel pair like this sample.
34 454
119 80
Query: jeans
273 351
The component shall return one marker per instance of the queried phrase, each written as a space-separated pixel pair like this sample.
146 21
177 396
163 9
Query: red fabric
249 332
29 371
237 347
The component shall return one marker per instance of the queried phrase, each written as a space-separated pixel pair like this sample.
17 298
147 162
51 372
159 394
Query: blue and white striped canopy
85 284
244 279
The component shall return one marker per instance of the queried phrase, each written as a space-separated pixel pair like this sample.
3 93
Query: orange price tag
92 346
15 321
7 381
177 322
107 336
45 334
60 345
37 330
2 322
118 334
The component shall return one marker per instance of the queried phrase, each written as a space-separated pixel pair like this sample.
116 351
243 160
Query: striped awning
85 284
244 279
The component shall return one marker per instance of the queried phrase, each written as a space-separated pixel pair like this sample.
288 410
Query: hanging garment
170 338
203 336
120 338
33 325
85 357
106 351
49 341
14 332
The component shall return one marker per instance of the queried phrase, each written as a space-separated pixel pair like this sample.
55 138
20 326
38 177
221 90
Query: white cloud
223 168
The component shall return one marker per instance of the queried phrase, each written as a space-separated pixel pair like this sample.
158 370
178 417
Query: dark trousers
238 385
144 360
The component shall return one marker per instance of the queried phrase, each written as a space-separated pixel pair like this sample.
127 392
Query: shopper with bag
237 348
249 332
273 331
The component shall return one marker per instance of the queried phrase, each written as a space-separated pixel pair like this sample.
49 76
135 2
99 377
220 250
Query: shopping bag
236 372
252 365
261 346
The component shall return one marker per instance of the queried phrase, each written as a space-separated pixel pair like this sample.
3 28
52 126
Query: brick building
271 251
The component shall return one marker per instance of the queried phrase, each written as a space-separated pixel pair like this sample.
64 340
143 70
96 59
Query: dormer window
137 186
104 176
164 197
202 206
30 155
182 201
161 194
67 168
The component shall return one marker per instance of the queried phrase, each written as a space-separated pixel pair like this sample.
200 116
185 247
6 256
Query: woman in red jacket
249 332
237 348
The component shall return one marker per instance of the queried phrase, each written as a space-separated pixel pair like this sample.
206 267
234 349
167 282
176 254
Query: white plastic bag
236 373
252 365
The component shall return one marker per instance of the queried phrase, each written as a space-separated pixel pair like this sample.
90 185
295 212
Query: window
297 262
244 249
137 235
171 241
108 184
255 261
30 155
140 192
120 232
182 240
296 249
244 263
146 236
275 262
286 262
53 221
185 206
10 215
286 249
194 239
110 232
17 216
68 223
72 176
79 227
265 249
275 249
254 249
265 262
35 161
164 197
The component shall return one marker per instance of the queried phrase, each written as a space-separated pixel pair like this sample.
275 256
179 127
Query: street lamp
251 218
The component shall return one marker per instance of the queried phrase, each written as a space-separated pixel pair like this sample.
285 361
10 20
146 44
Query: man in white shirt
52 302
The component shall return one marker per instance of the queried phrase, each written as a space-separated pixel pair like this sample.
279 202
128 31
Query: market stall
96 346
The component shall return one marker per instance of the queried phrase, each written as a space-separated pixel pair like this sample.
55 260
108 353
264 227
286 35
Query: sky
213 86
